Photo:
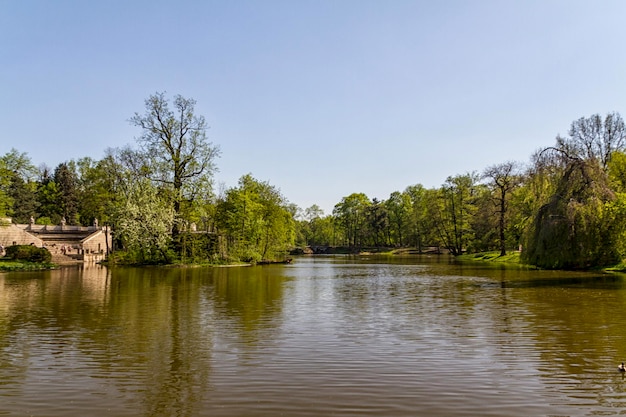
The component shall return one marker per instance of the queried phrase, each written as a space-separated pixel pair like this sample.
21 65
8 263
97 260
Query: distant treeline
566 208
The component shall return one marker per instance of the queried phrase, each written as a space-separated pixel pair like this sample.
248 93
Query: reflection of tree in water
568 321
145 335
17 293
576 313
167 335
163 325
250 298
37 322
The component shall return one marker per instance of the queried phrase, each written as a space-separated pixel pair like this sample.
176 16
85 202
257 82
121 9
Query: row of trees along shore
566 207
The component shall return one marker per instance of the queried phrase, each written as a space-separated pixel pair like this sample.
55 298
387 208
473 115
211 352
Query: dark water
321 337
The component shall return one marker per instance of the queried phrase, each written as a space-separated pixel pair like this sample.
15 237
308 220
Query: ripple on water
315 338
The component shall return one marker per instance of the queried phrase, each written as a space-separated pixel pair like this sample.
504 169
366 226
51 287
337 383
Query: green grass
11 265
620 267
512 257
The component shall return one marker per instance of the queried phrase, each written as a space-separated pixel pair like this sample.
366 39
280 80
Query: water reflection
342 335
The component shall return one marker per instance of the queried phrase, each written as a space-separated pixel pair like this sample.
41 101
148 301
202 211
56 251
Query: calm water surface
328 336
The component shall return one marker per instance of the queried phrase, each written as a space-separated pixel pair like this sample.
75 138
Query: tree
257 220
503 178
579 222
48 198
484 222
66 180
578 227
377 223
323 231
454 212
420 218
174 150
313 212
17 174
143 222
308 225
24 200
97 189
398 213
617 172
594 138
19 164
350 214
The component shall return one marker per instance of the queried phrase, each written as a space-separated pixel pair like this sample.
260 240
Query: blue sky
320 98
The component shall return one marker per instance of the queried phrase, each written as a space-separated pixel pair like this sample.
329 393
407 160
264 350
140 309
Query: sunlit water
327 336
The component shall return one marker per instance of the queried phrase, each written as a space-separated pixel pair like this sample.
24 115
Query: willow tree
575 228
174 151
580 225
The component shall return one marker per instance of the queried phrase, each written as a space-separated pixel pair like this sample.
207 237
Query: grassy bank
11 265
513 258
510 258
621 267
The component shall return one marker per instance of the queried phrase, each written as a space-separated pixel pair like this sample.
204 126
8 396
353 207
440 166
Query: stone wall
84 243
94 246
11 234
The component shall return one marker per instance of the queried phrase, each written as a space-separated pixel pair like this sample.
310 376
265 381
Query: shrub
29 253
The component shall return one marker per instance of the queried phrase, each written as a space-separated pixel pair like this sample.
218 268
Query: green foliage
17 173
502 181
420 220
143 223
568 208
10 266
397 207
454 210
97 189
257 221
377 218
617 171
314 228
351 218
577 228
198 247
24 200
174 151
28 253
484 223
67 198
48 196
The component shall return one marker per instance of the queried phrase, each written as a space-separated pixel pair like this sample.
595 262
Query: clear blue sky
321 98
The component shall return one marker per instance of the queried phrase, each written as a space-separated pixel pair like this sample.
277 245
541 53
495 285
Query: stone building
65 243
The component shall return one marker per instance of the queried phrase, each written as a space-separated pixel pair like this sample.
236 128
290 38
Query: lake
323 336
